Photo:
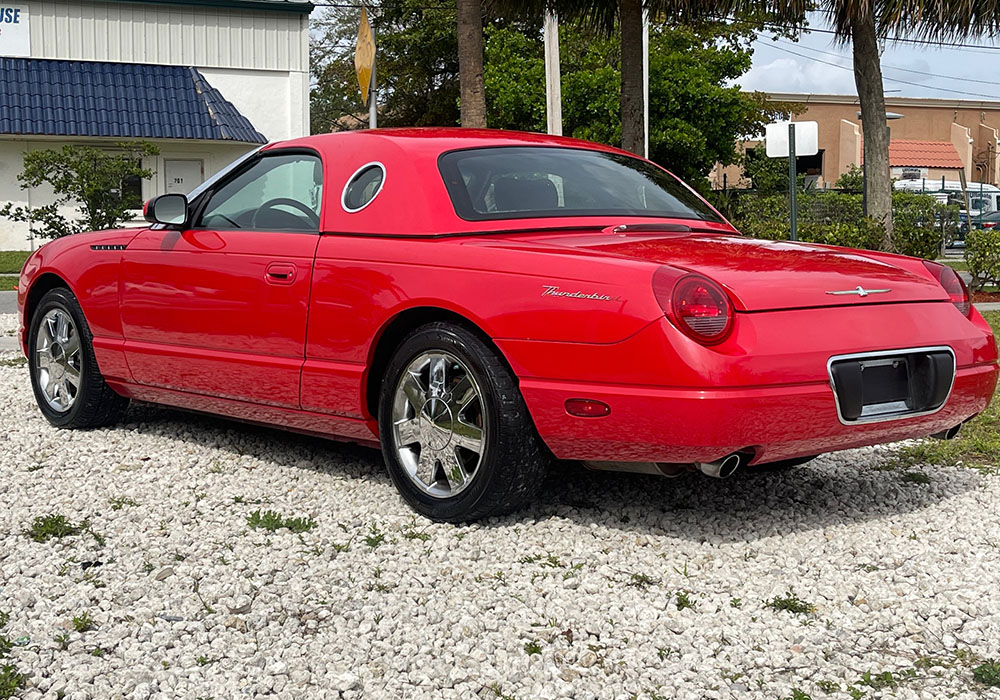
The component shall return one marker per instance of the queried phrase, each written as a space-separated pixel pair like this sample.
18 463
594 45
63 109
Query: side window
276 193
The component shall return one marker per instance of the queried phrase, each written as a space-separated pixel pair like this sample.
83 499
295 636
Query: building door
183 175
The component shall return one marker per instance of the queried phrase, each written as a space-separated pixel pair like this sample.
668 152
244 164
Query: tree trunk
470 63
633 112
868 78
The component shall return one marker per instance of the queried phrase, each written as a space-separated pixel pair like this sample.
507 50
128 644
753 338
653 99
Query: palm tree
472 92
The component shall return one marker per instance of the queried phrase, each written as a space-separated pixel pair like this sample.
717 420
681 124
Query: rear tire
68 386
456 434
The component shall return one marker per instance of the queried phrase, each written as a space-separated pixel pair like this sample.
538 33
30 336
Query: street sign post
790 140
364 66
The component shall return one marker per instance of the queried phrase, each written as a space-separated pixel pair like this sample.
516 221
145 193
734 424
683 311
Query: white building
205 80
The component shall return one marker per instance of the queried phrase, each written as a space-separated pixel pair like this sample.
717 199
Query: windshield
518 182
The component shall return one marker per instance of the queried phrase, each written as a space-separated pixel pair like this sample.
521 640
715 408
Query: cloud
788 74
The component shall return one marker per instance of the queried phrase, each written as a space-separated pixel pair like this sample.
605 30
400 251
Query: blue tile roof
121 100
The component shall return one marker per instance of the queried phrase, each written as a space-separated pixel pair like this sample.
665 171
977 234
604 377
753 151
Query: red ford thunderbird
478 301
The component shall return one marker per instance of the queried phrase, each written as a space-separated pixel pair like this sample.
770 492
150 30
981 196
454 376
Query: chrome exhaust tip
721 468
948 434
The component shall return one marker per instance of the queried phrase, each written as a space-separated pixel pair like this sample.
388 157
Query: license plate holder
896 384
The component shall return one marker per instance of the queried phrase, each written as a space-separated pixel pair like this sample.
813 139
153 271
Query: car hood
769 275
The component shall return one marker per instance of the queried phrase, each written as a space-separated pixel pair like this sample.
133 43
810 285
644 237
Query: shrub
982 253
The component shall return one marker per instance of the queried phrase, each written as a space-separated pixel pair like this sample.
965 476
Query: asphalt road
8 302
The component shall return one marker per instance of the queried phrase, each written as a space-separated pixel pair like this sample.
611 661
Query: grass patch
915 478
11 261
271 521
11 681
8 284
988 673
790 603
83 622
977 444
959 265
53 526
119 502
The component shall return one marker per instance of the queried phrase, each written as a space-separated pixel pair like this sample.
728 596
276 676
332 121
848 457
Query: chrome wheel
439 424
58 360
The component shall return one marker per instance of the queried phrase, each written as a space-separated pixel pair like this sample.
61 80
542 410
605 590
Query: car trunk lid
767 275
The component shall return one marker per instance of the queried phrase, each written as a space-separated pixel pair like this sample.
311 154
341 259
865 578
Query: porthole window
363 186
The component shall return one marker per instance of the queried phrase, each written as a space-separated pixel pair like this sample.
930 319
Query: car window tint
276 193
363 186
513 182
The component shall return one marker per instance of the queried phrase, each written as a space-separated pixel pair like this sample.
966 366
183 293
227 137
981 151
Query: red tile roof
922 154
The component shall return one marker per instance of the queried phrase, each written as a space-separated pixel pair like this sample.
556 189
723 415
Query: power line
893 80
905 70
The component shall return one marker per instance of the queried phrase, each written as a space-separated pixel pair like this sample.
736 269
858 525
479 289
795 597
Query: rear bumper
650 424
767 387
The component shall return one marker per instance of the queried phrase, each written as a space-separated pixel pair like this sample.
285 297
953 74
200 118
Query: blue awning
41 97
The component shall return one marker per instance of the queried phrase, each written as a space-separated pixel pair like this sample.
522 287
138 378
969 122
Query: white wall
14 236
276 103
84 30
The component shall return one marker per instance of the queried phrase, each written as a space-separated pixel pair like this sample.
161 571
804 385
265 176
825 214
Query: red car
479 301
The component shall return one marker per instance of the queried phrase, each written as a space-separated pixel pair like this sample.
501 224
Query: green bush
982 253
920 224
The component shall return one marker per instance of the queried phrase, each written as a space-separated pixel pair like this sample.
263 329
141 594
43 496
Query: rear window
519 182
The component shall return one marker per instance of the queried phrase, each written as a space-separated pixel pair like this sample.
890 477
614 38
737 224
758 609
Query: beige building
930 138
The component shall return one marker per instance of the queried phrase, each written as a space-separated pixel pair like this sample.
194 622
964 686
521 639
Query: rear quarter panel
361 284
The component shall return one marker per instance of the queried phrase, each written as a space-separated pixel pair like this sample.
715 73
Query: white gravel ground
188 601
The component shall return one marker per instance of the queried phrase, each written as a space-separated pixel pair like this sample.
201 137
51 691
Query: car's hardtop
414 200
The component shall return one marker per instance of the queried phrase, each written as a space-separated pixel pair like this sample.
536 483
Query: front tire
68 386
456 435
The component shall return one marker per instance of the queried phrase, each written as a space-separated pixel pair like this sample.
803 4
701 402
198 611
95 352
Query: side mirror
169 209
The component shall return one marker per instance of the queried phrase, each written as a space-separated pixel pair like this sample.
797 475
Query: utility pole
553 81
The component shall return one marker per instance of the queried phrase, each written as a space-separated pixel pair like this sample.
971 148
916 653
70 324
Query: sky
816 64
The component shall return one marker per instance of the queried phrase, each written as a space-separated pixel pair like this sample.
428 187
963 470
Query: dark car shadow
837 489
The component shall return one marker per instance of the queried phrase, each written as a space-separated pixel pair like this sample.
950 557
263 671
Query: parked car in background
478 301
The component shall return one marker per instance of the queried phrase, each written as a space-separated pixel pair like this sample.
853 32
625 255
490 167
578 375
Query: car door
220 308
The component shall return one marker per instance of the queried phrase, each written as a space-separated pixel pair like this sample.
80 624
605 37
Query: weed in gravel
271 521
11 681
83 622
790 603
147 567
5 646
47 527
119 502
530 559
14 361
532 647
642 581
915 478
988 673
98 652
736 603
664 653
62 640
798 695
828 687
412 534
4 619
375 537
203 661
498 691
683 600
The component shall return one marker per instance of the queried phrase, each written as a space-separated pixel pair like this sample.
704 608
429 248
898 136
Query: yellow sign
364 55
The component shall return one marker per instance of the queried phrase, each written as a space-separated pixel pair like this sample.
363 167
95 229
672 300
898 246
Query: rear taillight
698 306
953 284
